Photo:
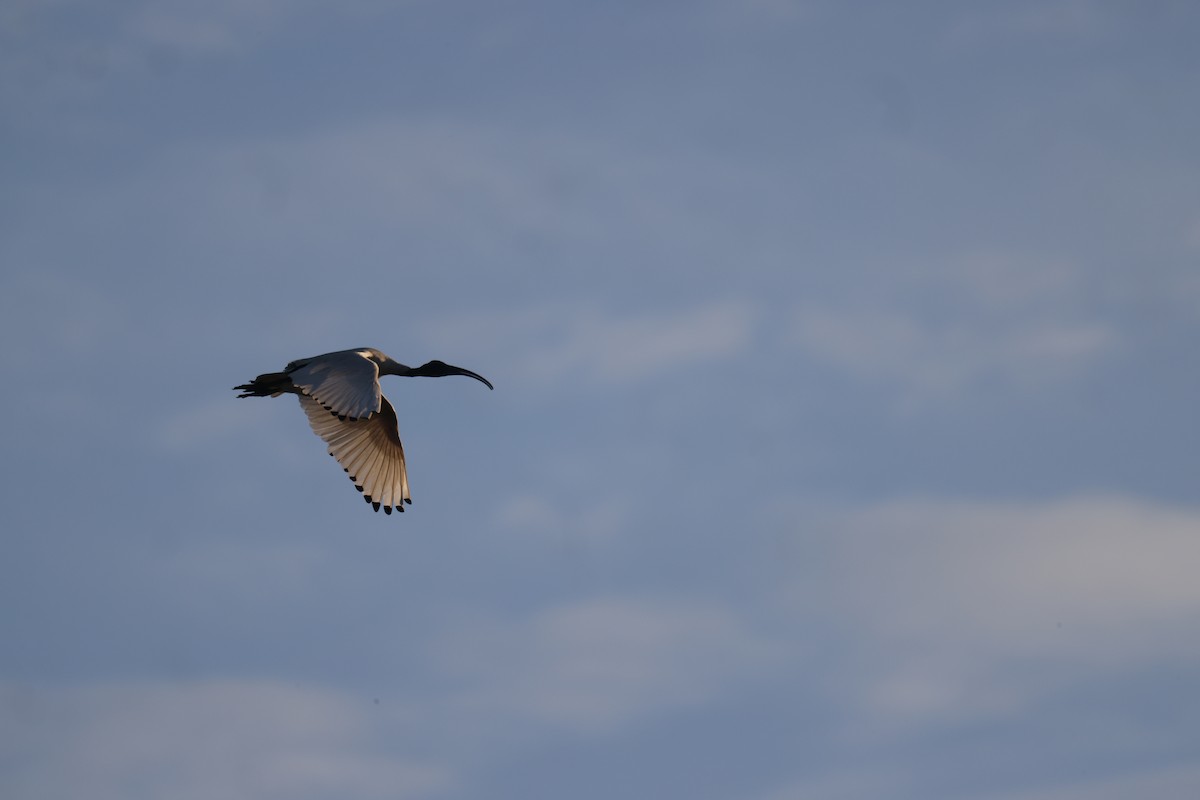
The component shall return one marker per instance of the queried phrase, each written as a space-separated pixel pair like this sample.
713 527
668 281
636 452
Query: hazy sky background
844 443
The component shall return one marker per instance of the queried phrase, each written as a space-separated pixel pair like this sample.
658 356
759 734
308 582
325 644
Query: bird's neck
390 367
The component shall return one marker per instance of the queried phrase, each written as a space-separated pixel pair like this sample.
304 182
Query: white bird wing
369 450
345 383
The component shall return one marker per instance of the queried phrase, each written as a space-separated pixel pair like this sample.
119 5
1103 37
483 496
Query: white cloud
56 54
194 27
552 343
281 570
1053 19
368 192
927 360
1186 283
859 785
187 26
1099 562
228 739
1191 235
1163 783
726 14
995 280
980 321
540 518
959 598
630 348
601 663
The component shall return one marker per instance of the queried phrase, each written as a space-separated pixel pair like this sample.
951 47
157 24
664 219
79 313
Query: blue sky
843 444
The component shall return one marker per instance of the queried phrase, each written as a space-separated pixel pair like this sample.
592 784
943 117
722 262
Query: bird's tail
272 384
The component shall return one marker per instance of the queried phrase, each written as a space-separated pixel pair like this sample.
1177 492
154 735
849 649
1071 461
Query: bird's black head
440 369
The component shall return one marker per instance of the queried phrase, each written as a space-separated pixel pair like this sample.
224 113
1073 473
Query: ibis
340 394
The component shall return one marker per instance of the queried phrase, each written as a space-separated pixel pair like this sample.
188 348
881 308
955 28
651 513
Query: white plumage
346 383
340 394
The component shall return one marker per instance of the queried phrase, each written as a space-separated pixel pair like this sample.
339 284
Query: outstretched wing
369 450
346 383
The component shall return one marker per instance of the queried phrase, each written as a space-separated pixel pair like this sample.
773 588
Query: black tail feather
272 384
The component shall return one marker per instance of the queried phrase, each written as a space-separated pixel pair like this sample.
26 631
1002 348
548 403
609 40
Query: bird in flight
340 394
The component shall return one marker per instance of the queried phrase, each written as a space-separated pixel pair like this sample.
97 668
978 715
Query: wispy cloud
1053 19
542 518
552 343
56 53
229 739
927 360
960 595
940 331
601 663
1167 782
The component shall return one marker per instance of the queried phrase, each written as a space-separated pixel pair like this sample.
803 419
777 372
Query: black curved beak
469 374
440 369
